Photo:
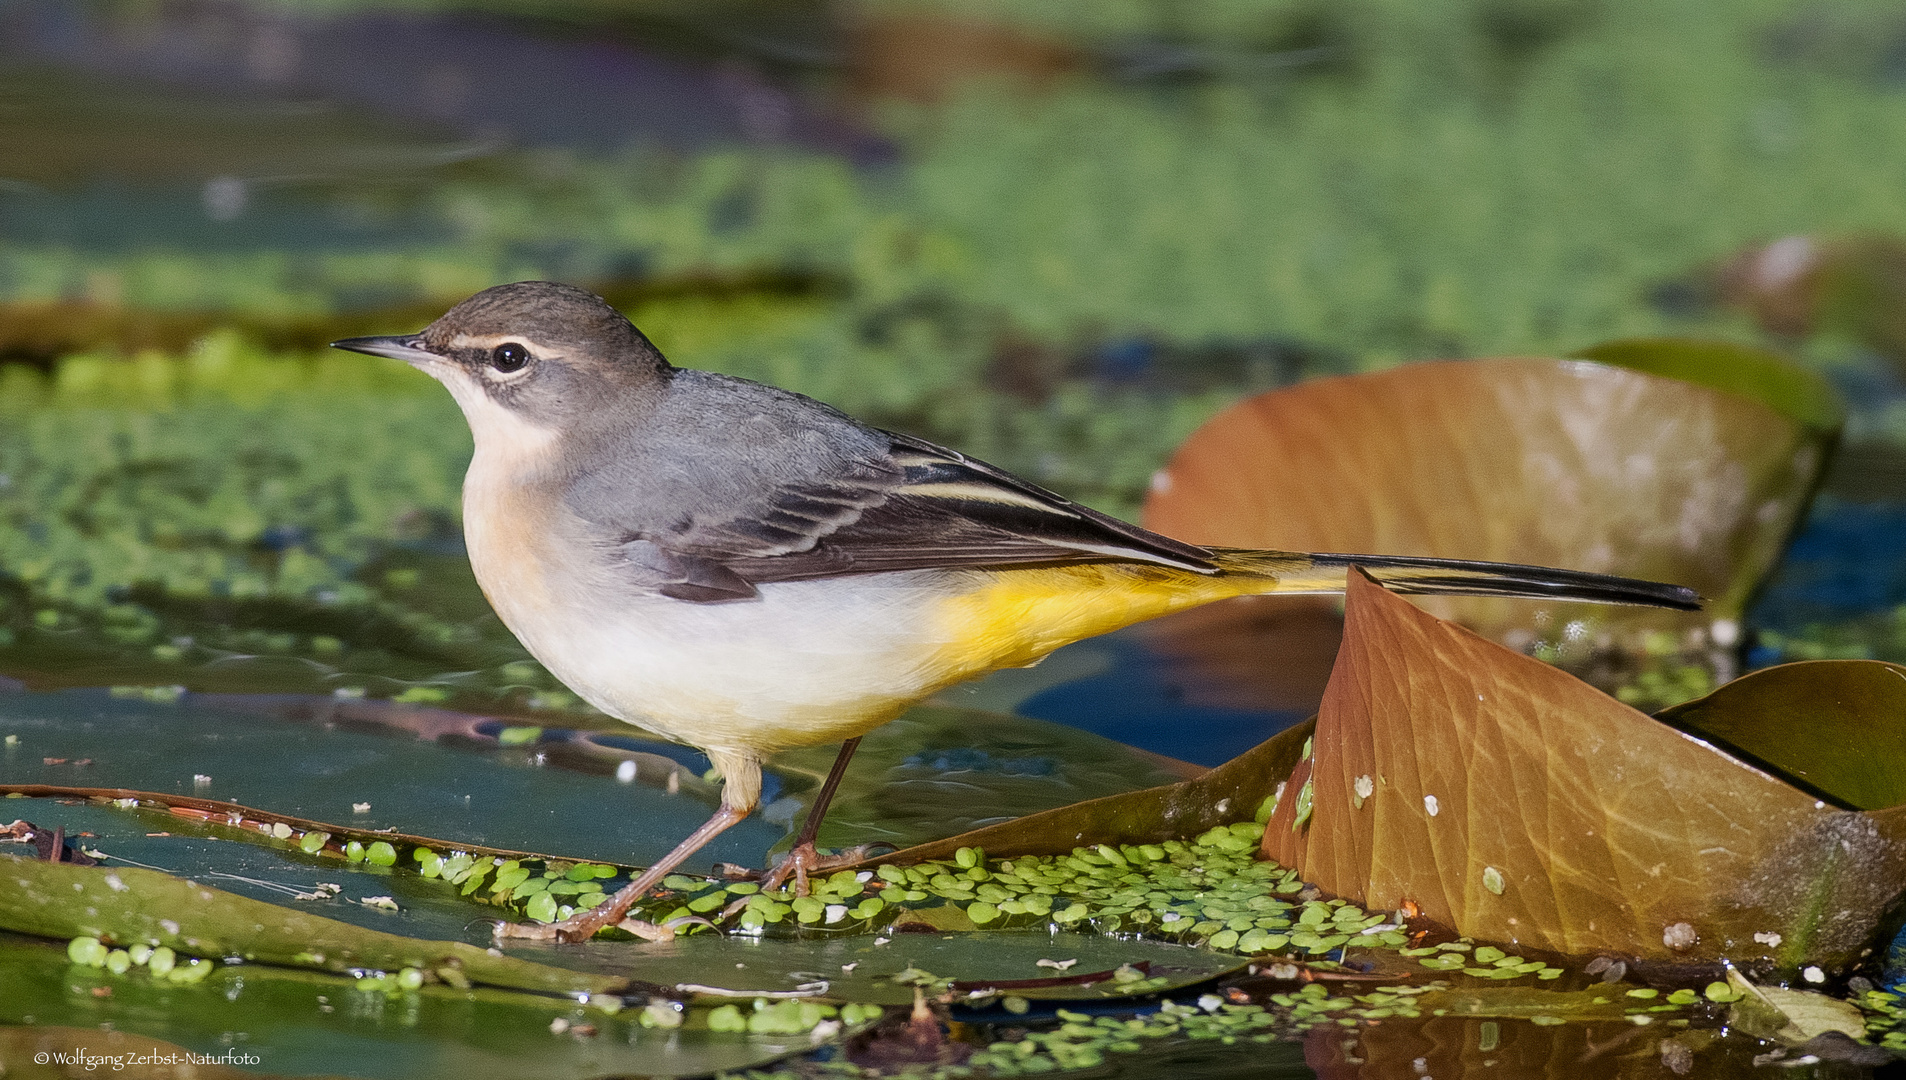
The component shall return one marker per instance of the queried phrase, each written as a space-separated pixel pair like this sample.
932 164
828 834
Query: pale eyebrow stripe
491 341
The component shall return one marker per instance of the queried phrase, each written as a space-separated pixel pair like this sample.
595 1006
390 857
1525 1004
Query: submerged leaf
938 769
303 1023
1231 792
1790 1016
1609 831
1559 463
314 837
127 905
884 970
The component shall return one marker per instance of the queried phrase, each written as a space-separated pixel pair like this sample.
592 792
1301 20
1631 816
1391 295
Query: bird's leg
804 857
739 794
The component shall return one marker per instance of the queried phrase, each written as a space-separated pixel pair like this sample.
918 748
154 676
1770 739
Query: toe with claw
806 859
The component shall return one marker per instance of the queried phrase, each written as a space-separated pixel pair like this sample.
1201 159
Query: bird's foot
649 931
614 911
806 859
577 928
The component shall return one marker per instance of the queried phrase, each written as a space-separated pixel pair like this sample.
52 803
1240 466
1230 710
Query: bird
747 570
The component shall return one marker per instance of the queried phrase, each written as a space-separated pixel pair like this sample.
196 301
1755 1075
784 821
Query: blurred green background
1058 235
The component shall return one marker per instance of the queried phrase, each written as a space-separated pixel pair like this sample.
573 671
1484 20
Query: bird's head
528 359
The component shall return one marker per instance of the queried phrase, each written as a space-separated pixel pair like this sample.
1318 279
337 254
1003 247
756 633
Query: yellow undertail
1012 617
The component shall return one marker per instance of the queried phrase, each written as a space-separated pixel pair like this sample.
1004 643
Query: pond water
170 170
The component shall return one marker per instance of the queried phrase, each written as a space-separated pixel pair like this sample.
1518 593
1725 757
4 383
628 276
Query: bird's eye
509 356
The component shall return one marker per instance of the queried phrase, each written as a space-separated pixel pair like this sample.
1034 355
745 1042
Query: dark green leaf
127 905
1831 725
300 1023
1778 383
1231 792
939 770
741 967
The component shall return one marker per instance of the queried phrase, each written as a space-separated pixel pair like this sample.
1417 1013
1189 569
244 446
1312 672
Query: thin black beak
404 347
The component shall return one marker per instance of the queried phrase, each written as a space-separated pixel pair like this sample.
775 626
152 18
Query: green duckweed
160 963
86 951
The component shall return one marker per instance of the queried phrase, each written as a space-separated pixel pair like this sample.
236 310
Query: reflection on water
609 795
514 81
502 798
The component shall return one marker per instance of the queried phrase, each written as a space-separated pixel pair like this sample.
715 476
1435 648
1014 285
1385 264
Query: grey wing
949 510
801 497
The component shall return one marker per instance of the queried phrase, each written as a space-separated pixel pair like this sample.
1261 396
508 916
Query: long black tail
1295 573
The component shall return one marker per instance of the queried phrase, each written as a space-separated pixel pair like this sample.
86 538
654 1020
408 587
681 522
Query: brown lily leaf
1515 803
1554 462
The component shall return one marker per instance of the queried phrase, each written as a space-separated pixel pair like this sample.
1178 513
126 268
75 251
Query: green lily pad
1523 1002
1830 725
300 1023
128 905
742 967
1231 792
419 770
936 770
1783 386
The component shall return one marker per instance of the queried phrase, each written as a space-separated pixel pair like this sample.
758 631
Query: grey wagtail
747 570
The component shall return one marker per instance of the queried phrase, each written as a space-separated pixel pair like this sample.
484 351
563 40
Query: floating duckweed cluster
556 891
1885 1016
1483 962
1081 1042
839 901
1666 681
787 1017
1210 891
165 965
161 963
380 982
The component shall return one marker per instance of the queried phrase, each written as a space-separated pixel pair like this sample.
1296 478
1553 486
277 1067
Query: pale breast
806 662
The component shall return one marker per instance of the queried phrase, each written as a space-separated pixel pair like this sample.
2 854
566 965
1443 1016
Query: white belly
807 662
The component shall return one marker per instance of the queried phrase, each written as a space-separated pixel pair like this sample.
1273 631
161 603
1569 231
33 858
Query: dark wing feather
775 487
950 510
